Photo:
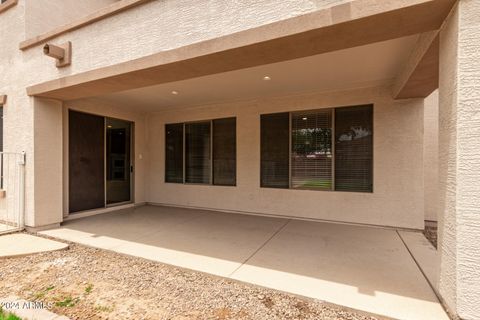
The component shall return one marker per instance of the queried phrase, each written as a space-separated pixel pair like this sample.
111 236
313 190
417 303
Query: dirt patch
87 283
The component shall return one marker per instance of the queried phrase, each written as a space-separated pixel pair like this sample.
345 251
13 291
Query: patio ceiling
370 65
353 24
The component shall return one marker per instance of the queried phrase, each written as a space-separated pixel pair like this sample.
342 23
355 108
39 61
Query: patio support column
47 159
459 173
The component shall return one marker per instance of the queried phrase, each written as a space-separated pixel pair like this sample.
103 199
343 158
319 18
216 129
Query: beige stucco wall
143 30
140 149
459 219
45 15
397 199
430 156
47 165
159 26
18 112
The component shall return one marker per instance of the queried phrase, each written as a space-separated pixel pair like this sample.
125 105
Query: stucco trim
7 5
89 19
419 77
315 33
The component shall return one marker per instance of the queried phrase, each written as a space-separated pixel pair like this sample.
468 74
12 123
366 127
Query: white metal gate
12 191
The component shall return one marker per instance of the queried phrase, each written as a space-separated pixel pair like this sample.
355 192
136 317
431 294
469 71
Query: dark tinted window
354 149
224 151
197 152
174 153
274 132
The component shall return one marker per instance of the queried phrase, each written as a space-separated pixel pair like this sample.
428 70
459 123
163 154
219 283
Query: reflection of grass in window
354 187
317 183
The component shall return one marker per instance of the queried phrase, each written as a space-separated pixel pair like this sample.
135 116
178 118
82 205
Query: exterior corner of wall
47 167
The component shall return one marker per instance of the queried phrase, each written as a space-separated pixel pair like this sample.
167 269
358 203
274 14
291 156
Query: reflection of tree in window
316 141
354 133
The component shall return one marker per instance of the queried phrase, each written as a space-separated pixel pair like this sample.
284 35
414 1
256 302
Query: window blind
224 151
311 157
354 148
197 152
274 153
174 153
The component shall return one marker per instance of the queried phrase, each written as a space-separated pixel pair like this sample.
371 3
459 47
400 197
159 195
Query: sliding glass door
118 161
100 166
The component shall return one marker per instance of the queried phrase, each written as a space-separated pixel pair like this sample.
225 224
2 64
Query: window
174 153
353 149
326 149
197 152
201 152
312 149
224 151
274 141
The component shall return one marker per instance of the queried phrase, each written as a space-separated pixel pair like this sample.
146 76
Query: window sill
317 189
7 5
201 184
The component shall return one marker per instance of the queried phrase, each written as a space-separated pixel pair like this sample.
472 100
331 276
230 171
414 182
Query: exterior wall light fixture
62 54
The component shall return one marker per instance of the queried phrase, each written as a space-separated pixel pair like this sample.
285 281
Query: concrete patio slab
206 241
359 267
369 269
20 244
425 255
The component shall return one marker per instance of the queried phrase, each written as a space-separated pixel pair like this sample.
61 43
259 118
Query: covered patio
357 74
375 271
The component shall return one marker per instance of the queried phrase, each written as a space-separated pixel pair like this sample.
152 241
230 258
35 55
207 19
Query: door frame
66 162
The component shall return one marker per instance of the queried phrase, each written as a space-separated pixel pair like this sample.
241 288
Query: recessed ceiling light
267 78
174 92
109 126
304 118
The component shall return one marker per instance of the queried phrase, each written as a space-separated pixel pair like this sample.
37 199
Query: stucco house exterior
362 112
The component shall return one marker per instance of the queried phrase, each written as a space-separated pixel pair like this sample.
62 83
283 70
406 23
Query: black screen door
86 161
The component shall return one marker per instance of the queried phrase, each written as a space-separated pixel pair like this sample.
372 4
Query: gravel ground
430 233
86 283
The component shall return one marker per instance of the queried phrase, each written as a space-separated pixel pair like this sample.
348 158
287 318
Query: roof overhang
349 25
420 76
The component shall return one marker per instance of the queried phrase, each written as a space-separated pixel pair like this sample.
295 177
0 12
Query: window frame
184 150
333 120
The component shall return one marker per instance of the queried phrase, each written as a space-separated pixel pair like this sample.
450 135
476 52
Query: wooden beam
353 24
3 99
419 76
